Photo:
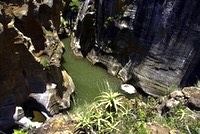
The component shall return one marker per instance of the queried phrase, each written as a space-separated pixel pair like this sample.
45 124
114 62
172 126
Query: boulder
171 103
155 128
193 97
128 88
69 84
187 98
57 125
176 94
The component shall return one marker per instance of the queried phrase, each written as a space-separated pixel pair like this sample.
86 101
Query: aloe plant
110 101
104 113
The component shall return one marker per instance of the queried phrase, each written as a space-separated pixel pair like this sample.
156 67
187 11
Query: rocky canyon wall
152 44
30 54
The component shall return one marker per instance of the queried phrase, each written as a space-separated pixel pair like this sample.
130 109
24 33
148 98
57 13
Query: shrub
181 119
45 63
108 21
19 131
75 5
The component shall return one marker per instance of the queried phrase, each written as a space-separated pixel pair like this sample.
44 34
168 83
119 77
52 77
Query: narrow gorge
56 54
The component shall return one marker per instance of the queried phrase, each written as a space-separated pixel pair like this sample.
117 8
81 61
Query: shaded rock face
192 94
30 53
151 44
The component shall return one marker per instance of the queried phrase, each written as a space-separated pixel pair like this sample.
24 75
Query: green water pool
89 80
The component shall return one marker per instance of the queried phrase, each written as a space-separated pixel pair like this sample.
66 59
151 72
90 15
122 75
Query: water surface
89 80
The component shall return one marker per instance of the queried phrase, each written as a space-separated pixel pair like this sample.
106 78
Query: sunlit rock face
151 44
30 53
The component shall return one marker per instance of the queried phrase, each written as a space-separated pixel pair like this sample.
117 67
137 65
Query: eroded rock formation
151 44
30 53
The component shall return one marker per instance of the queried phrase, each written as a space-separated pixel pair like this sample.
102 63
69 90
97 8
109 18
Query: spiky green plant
110 101
105 113
97 119
85 123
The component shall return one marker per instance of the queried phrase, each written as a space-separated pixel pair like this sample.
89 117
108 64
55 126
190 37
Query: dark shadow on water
101 65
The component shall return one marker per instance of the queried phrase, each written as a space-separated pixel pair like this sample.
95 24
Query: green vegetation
198 84
108 21
173 88
20 131
181 119
45 63
75 5
110 101
63 21
111 19
113 113
105 115
63 3
48 33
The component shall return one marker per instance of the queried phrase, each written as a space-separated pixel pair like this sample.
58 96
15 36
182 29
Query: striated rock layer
30 53
151 44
